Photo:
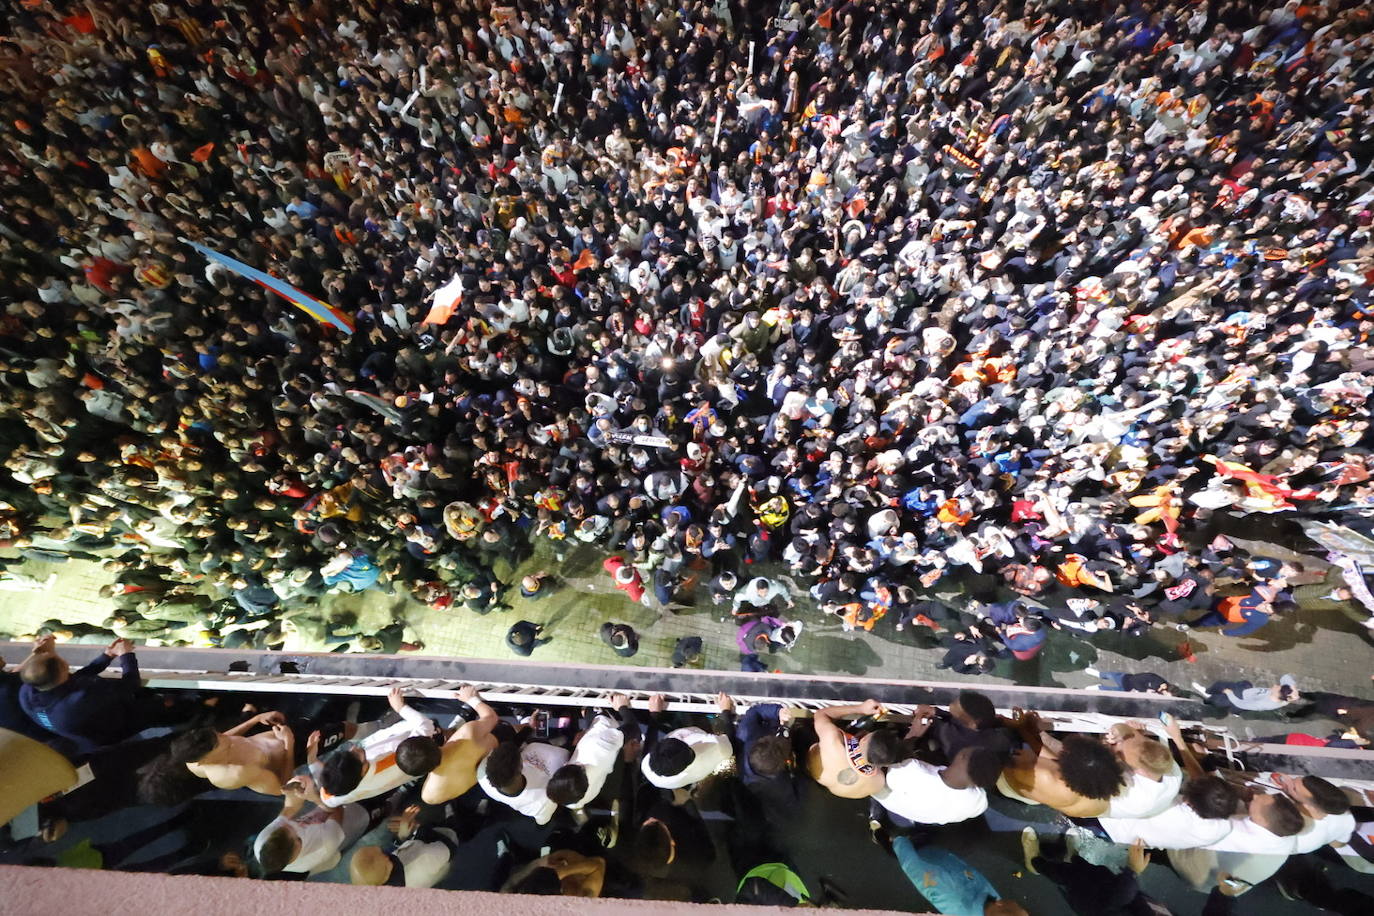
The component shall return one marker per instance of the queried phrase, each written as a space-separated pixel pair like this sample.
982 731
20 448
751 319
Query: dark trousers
1216 694
1304 877
1090 890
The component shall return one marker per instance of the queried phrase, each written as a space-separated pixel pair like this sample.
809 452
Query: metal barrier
689 691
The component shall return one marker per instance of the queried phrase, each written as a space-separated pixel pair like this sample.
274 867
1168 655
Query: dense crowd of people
1019 299
611 800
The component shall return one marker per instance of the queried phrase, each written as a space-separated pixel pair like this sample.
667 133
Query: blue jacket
762 721
92 711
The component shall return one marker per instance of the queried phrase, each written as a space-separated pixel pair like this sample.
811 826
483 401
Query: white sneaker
1091 670
1030 848
1072 840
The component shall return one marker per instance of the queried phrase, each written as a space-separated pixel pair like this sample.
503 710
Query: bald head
369 865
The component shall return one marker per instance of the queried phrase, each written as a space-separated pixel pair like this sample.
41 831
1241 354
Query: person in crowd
385 759
563 873
845 762
621 637
463 750
921 793
235 758
578 782
1131 682
1245 695
1153 778
767 754
970 721
949 883
420 857
524 637
518 775
685 756
1077 776
1090 889
12 714
308 840
81 706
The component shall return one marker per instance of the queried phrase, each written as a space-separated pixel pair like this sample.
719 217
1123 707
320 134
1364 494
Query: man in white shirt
308 843
923 793
1252 852
759 595
421 857
1201 815
518 776
384 760
1152 777
580 780
1326 810
686 756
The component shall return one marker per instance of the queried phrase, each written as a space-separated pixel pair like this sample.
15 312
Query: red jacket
634 588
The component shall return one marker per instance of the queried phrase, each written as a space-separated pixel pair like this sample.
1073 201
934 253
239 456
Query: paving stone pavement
1323 649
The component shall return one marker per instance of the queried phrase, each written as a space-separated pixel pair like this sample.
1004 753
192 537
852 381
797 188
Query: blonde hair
1155 758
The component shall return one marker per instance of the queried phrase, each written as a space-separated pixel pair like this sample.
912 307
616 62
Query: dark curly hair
1089 768
1211 797
188 747
166 782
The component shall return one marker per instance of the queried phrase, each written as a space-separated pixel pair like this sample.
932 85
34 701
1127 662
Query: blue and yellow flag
320 311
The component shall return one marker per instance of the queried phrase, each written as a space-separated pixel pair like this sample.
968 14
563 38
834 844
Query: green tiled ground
1322 648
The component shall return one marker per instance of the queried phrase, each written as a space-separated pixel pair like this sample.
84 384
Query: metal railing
694 692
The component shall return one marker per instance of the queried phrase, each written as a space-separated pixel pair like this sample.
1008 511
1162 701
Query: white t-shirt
916 792
382 774
596 751
1334 828
711 751
425 864
321 837
1248 837
538 762
1176 827
1143 797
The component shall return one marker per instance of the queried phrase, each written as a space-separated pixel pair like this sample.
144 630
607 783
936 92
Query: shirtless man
462 752
234 759
837 760
1076 776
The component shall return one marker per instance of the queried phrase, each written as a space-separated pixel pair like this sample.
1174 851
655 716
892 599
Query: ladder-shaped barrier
537 684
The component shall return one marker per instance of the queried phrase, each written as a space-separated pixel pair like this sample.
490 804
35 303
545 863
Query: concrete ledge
58 891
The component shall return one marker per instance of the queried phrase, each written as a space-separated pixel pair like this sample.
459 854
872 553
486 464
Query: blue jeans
1116 678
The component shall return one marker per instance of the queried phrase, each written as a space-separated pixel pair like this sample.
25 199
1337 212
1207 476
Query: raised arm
262 718
486 716
629 725
123 650
723 723
1190 762
824 718
396 699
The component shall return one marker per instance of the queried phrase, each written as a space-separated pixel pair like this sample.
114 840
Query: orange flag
826 20
584 260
